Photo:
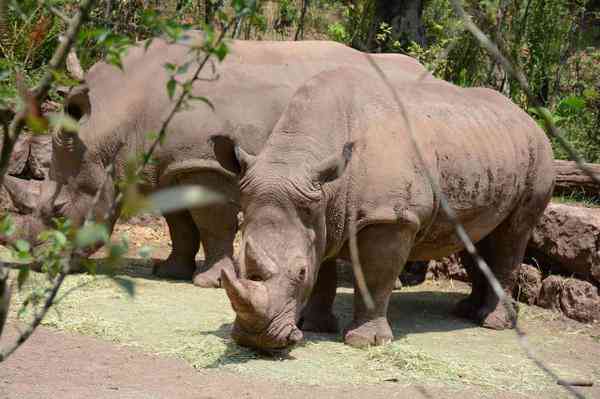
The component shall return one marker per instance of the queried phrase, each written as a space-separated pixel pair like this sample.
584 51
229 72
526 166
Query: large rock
567 239
31 157
575 298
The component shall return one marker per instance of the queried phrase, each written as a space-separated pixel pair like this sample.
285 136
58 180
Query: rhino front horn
237 293
248 298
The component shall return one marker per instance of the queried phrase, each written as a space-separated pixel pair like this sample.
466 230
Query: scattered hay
431 347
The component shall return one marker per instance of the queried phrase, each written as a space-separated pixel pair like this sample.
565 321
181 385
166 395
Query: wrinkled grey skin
116 111
488 157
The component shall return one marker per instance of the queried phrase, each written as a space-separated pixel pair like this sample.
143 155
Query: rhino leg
318 316
218 226
503 250
185 239
383 251
468 308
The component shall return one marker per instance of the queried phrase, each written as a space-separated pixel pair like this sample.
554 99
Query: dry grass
180 320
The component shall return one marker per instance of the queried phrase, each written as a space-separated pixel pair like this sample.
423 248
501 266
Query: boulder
567 239
575 298
529 284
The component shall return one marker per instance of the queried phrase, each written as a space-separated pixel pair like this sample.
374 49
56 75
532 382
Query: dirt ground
171 340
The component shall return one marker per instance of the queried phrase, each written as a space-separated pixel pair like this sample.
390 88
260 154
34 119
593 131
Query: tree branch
10 138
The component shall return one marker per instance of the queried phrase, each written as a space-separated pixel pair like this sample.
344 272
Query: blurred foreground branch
11 135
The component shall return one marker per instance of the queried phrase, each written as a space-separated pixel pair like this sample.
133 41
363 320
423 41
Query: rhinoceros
343 149
117 110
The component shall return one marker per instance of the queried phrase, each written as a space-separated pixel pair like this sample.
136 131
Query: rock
447 268
567 238
18 159
529 284
575 298
40 156
6 204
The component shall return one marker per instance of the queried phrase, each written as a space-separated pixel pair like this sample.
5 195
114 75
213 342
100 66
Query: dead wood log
570 178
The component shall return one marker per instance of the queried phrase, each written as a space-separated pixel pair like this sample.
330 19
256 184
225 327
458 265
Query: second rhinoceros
304 191
117 109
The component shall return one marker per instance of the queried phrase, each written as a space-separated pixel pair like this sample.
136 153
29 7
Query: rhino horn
236 291
248 298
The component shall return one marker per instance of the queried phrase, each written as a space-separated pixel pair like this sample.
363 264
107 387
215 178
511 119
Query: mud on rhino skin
341 150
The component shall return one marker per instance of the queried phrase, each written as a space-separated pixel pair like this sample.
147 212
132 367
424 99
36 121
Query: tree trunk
404 16
570 178
4 24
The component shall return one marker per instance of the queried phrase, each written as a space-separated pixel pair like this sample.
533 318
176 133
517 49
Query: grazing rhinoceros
489 158
118 109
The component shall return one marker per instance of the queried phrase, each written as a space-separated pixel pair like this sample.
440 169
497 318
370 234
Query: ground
171 340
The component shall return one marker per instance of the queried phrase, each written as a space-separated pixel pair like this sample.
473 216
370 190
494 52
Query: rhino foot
371 333
467 309
174 268
322 323
497 319
211 278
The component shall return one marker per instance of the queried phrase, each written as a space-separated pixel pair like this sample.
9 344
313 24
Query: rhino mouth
276 336
255 326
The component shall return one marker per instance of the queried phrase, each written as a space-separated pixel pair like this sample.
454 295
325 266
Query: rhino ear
230 155
333 167
77 103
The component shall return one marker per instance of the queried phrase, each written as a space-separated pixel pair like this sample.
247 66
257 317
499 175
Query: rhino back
255 83
485 154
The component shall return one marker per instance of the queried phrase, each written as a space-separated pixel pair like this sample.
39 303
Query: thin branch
110 214
41 91
462 234
25 334
59 14
10 138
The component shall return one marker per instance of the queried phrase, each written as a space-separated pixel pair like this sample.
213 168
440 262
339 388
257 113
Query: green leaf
126 284
204 100
89 265
170 67
221 51
148 43
22 246
591 94
23 275
183 68
183 197
63 122
574 103
37 124
7 227
91 234
4 74
171 85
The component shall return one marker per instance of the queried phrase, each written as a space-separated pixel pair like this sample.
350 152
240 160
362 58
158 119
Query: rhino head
283 244
76 174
